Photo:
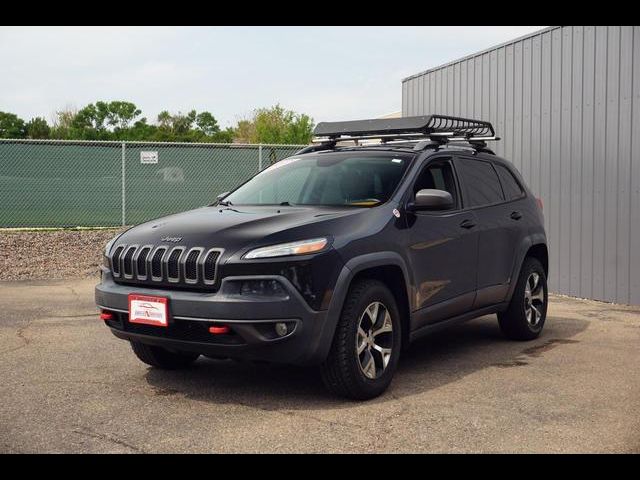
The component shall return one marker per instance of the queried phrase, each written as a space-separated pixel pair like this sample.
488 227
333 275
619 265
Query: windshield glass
362 179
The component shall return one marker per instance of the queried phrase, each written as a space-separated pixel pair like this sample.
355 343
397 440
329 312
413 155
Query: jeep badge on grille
171 239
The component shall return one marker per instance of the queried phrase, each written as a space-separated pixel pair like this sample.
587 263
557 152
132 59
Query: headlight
292 248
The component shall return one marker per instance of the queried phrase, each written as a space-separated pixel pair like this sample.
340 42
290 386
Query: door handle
516 215
468 224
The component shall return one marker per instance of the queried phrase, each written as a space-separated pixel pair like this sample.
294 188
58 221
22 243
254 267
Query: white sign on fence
148 157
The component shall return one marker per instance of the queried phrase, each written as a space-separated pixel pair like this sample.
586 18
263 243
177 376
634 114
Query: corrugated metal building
566 102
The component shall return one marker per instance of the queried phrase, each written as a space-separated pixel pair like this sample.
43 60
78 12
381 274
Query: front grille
150 265
191 266
141 262
127 263
115 261
156 264
210 266
173 269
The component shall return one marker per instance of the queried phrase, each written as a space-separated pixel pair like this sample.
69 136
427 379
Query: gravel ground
58 254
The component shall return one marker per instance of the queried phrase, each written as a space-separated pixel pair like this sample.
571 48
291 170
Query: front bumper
251 320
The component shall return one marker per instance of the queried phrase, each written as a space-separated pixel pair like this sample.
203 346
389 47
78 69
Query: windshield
336 178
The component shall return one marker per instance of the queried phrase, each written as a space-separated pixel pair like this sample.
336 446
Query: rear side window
480 183
510 185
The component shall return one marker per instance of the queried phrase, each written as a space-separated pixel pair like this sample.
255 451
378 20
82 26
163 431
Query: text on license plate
148 310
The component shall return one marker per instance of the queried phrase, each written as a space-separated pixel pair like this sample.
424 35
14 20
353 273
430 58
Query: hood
233 228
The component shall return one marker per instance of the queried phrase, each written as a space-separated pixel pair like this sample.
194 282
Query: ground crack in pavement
20 334
109 438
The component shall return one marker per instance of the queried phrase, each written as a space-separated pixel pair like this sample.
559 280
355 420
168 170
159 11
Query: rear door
498 226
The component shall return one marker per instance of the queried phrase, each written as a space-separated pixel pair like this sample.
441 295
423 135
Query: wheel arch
540 252
393 278
387 267
535 247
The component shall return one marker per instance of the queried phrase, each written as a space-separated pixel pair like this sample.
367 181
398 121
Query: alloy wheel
534 299
374 340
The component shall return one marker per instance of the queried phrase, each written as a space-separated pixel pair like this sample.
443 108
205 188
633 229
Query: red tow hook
219 330
104 315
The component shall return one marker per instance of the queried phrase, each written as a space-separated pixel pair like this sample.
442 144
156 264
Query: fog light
281 329
261 288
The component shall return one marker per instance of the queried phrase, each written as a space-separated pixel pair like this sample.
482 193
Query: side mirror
221 196
431 199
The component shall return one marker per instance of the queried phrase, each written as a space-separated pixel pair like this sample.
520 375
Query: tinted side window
510 185
480 183
438 175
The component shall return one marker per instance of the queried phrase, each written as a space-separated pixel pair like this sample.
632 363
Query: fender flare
350 269
526 243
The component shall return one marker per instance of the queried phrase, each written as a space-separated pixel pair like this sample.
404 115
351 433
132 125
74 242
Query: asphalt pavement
68 385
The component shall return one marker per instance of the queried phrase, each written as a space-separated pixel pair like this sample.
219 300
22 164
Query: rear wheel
527 311
366 346
161 357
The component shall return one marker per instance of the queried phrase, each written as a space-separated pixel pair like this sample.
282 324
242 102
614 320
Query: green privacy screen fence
70 183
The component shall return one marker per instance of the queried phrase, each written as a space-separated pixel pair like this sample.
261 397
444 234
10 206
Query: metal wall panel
566 102
634 201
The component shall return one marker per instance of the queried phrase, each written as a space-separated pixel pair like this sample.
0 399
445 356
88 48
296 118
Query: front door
443 250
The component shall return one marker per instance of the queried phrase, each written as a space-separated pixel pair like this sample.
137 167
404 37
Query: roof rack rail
438 128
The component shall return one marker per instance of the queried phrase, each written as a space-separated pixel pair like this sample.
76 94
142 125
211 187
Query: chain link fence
60 183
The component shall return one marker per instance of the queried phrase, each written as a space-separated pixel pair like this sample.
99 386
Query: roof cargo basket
440 128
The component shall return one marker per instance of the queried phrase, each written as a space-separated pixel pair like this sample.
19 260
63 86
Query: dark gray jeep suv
338 256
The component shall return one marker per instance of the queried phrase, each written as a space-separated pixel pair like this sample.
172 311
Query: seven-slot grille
155 265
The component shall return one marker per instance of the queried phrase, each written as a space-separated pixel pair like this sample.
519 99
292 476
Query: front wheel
366 345
527 311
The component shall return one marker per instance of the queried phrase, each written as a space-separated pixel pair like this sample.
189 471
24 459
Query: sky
330 73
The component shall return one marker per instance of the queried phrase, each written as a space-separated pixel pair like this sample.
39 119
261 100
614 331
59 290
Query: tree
224 136
63 123
104 120
275 125
164 119
38 128
11 126
140 130
207 124
177 127
245 131
120 120
300 130
182 123
89 122
120 114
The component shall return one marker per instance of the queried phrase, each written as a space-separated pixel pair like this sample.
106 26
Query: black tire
161 357
341 371
514 322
